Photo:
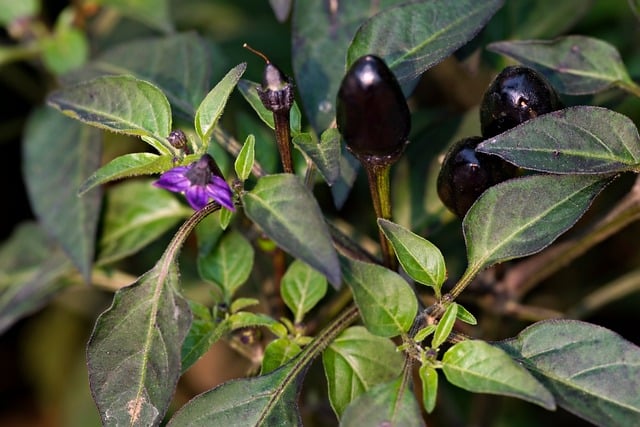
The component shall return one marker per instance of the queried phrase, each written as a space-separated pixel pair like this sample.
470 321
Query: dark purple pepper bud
178 139
466 174
276 92
371 111
516 95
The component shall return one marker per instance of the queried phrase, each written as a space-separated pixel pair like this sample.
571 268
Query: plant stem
283 137
630 87
378 176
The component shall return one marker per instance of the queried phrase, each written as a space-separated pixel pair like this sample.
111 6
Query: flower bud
372 113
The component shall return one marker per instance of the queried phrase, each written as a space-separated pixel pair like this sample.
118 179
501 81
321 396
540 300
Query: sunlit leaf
429 379
59 152
210 109
415 36
421 259
576 140
277 353
355 362
478 367
267 400
136 214
575 65
134 352
286 211
592 371
522 216
387 303
390 404
245 160
302 288
445 325
119 104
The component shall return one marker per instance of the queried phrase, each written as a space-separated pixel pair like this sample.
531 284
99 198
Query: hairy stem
283 137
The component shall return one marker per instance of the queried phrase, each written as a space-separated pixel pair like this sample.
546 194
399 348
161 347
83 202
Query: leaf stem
629 86
186 228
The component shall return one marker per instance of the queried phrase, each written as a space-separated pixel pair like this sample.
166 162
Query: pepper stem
379 186
283 137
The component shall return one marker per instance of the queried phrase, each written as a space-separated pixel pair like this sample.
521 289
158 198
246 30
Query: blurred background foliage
43 377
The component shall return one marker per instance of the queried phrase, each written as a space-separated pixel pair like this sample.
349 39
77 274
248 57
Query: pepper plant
245 222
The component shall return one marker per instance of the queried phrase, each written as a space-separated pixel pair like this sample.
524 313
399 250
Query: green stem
379 186
629 86
283 137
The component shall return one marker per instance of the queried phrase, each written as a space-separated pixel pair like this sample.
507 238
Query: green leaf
134 352
179 64
59 153
127 165
10 10
592 371
119 104
355 362
211 107
322 35
249 91
387 303
204 332
246 158
136 214
32 267
424 333
302 288
267 400
286 211
246 319
388 404
324 154
229 264
277 353
464 315
421 259
65 50
429 378
575 65
409 48
520 217
576 140
445 325
242 303
478 367
155 13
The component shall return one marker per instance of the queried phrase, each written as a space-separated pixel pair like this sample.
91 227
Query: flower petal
197 196
219 191
174 180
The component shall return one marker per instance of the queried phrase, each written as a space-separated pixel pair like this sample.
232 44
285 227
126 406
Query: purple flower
200 181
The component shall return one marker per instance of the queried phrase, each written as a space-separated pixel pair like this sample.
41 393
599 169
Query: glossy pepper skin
466 174
371 111
516 95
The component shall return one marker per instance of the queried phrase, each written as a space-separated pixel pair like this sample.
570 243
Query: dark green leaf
211 107
31 267
478 367
155 13
387 303
415 36
286 211
119 104
421 259
180 65
522 216
575 65
59 153
322 35
592 371
136 214
134 352
246 157
277 353
355 362
324 154
229 264
204 332
576 140
127 165
268 400
429 378
389 404
302 288
249 91
445 325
